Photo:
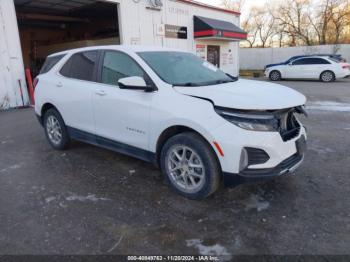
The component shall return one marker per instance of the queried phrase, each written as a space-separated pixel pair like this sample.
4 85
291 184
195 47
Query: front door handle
101 93
59 84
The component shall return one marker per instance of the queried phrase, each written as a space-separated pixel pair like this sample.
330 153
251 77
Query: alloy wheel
54 130
327 77
186 169
275 76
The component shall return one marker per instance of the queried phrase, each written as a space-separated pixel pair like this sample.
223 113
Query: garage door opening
48 26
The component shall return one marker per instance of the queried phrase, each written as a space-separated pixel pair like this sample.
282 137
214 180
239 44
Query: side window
50 62
300 62
81 66
117 65
320 61
311 61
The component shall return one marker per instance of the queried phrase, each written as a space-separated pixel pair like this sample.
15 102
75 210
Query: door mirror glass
134 83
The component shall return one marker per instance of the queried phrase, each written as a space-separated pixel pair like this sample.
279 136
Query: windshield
291 59
184 69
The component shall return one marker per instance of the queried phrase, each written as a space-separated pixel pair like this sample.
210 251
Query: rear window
318 61
335 59
50 62
81 66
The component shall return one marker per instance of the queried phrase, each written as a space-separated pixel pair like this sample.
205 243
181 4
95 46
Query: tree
266 25
260 26
338 22
329 20
297 22
236 5
280 34
249 26
307 22
294 16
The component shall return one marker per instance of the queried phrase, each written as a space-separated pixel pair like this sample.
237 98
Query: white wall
11 63
139 23
257 58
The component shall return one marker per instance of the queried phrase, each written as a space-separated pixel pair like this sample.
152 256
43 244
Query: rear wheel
190 166
275 76
327 76
55 130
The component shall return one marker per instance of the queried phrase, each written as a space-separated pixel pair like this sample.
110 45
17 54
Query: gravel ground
92 201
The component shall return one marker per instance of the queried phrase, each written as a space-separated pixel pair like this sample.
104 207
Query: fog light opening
243 163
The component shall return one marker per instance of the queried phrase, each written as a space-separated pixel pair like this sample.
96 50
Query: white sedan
322 68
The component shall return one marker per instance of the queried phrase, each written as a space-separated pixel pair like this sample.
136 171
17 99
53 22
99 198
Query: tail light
35 82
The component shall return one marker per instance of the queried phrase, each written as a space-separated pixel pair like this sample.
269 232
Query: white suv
169 107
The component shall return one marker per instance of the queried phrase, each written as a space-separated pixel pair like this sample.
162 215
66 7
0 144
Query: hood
278 64
247 95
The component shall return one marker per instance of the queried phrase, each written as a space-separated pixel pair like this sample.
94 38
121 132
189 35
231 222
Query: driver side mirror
290 64
134 83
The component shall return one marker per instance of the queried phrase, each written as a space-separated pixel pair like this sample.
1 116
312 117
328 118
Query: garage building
32 29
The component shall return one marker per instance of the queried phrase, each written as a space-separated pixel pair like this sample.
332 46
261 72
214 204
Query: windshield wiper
224 81
219 82
234 78
187 84
209 83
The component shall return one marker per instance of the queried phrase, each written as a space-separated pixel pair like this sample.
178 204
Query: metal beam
32 16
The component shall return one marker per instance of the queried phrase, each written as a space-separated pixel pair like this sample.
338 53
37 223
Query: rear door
74 85
121 115
317 66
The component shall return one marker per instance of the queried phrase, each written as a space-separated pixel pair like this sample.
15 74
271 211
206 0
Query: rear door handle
59 84
101 93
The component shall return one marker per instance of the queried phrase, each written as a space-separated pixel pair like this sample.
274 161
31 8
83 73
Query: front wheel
190 166
275 76
327 76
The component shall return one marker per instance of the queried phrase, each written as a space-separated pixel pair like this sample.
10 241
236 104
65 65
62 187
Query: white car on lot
169 107
322 68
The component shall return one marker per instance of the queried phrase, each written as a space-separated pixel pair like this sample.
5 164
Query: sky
248 4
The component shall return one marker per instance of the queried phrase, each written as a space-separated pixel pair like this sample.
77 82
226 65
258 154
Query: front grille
289 127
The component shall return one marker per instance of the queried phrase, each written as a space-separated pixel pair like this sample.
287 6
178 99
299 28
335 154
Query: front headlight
254 122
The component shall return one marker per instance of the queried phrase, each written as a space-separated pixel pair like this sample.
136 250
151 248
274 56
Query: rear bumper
343 74
288 166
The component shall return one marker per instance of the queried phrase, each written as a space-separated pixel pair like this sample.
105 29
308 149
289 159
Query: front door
121 115
297 69
213 56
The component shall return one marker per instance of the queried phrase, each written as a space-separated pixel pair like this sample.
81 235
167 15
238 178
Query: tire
275 76
56 130
327 77
195 176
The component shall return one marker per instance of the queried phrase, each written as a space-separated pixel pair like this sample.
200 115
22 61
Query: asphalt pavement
89 200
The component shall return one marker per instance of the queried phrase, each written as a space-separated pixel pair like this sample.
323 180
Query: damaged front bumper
288 166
